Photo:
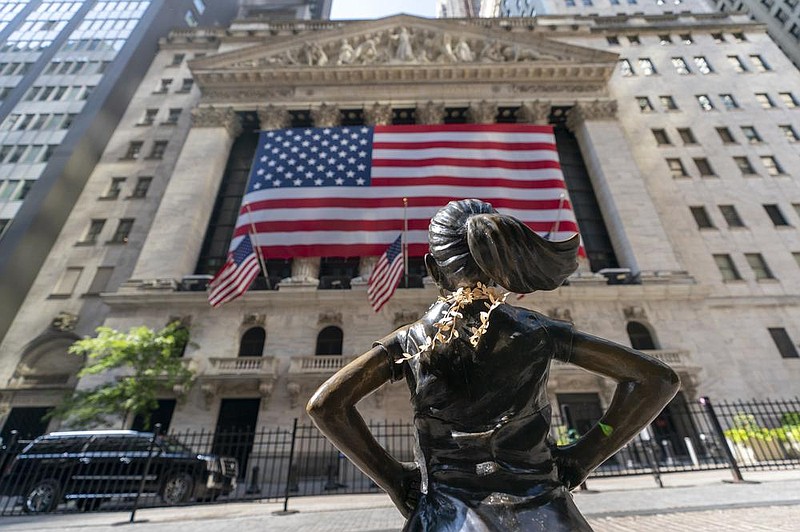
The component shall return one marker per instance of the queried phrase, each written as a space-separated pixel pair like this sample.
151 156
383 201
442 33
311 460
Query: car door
104 469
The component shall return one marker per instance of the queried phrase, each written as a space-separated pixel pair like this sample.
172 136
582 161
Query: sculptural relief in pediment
401 46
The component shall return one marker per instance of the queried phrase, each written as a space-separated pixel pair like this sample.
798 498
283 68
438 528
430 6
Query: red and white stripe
232 281
384 280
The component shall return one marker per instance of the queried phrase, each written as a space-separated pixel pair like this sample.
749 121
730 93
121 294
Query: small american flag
236 275
386 275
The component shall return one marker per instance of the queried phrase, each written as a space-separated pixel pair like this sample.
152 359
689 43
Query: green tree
140 363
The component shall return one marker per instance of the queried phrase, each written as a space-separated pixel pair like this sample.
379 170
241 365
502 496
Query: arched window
640 336
329 341
252 344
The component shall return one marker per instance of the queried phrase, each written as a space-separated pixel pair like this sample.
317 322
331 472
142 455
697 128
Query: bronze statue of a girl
477 370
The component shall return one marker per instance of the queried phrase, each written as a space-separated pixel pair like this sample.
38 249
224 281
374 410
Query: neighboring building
678 139
67 72
457 8
782 18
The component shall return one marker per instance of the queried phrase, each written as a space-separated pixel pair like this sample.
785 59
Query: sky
353 9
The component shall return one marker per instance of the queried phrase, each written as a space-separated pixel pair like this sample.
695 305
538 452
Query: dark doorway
329 341
252 344
27 421
640 336
235 432
162 414
579 411
671 427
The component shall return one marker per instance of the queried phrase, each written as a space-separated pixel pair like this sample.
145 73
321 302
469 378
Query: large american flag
338 191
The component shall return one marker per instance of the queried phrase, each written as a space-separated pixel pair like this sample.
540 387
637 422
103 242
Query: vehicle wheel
177 488
42 496
88 505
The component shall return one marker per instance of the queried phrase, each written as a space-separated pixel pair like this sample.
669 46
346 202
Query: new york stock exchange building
678 140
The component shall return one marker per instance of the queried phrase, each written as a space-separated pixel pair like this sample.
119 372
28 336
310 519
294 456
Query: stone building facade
678 146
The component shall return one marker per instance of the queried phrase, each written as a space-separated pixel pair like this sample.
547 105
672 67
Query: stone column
273 117
482 112
429 113
536 112
628 210
179 226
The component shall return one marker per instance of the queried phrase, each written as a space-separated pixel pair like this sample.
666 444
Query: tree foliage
140 364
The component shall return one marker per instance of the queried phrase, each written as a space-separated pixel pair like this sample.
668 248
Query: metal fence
113 471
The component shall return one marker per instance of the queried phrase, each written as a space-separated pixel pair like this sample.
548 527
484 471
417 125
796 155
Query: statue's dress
482 420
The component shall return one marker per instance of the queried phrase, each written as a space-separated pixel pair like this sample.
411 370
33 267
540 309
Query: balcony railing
242 366
318 364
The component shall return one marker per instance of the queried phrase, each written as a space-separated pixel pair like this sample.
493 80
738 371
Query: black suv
92 466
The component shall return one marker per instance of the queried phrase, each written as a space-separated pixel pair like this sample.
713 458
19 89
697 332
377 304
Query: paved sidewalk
691 502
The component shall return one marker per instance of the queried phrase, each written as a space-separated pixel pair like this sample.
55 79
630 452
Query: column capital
378 114
482 112
594 110
273 117
535 112
430 113
326 115
211 116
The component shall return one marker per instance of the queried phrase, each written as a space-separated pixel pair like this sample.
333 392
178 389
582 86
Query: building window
687 136
739 36
781 15
759 266
790 133
795 254
173 116
701 217
95 227
743 163
783 342
686 38
789 100
142 184
775 214
646 67
625 68
702 65
661 136
759 63
190 19
676 168
718 38
33 154
22 193
149 117
680 66
665 39
731 216
157 152
704 167
7 191
329 341
644 104
795 31
725 135
187 84
726 267
765 101
751 134
771 164
252 342
134 150
124 227
728 101
4 222
163 86
668 103
704 102
634 40
177 59
100 281
737 63
613 40
66 284
114 188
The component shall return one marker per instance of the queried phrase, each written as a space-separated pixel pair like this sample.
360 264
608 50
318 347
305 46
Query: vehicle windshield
171 445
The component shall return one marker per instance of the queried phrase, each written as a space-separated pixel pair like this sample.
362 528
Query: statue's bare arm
644 386
333 410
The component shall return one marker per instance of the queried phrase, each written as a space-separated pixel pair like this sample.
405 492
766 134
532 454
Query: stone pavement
695 502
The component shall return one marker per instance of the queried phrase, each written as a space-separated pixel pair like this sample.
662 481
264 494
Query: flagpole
256 247
558 214
405 241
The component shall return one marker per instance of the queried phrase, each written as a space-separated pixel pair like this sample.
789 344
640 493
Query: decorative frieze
634 313
430 113
326 115
273 117
535 112
378 114
594 110
330 318
210 116
482 112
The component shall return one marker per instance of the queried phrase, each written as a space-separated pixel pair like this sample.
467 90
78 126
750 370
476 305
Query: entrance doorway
27 421
235 431
162 414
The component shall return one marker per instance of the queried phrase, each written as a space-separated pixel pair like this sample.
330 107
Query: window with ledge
67 282
687 136
625 68
701 217
680 65
731 216
783 342
134 150
764 99
751 134
329 341
114 189
662 139
186 85
337 272
177 59
8 189
686 38
159 147
100 281
704 102
142 185
173 116
789 100
743 163
22 192
665 39
644 104
123 231
759 266
646 67
676 168
612 40
739 36
668 103
795 254
163 86
702 65
775 215
95 227
772 166
728 101
781 15
759 63
639 336
704 167
790 133
252 342
634 40
726 267
795 31
719 38
737 64
149 117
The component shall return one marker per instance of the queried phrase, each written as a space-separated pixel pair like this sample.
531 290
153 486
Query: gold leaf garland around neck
446 327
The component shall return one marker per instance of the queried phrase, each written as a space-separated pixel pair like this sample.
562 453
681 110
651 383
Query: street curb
690 509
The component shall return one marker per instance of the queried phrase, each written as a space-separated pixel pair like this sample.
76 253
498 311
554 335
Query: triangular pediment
402 41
